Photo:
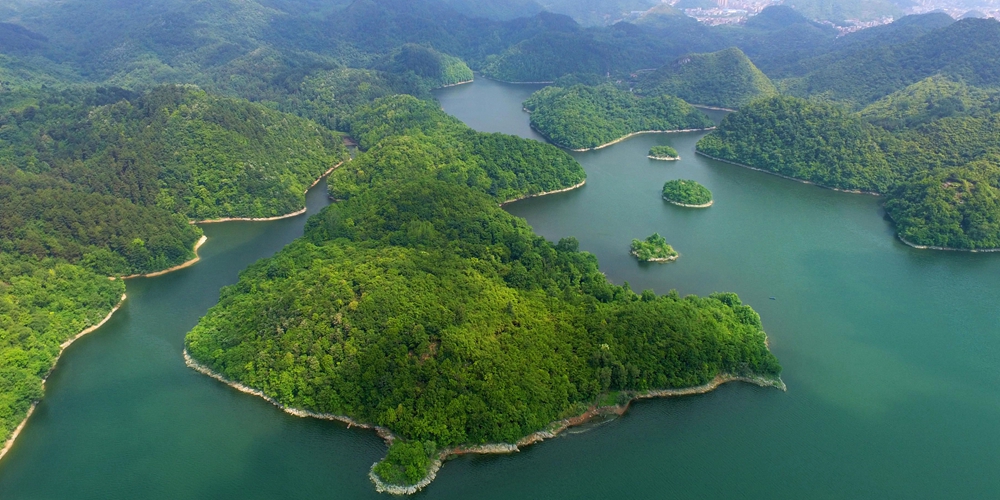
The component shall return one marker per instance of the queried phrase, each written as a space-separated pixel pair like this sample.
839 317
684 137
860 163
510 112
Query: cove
889 353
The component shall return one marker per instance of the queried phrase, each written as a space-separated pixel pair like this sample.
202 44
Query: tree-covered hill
930 99
871 70
932 148
179 148
814 141
418 304
426 141
726 78
584 117
437 68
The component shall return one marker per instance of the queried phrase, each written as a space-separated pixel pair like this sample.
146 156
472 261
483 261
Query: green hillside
420 305
583 117
937 159
813 141
726 78
871 70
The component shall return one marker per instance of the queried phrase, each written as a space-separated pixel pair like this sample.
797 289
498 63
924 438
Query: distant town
737 12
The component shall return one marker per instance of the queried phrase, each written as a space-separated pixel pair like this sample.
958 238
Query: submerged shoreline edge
783 176
276 217
620 139
62 348
552 430
201 241
545 193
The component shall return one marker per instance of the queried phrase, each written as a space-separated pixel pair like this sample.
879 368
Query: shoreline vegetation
714 108
276 217
663 153
633 134
687 193
201 241
456 84
685 205
621 139
653 249
545 193
518 83
62 347
551 431
9 444
945 249
851 191
586 118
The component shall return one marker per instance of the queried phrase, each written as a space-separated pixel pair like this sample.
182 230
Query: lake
891 356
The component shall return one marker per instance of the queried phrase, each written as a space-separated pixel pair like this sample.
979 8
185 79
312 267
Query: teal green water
890 355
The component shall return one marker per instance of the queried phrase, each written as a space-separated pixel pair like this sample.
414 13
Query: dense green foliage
928 100
686 192
726 78
425 140
814 141
663 152
109 179
932 148
653 248
582 117
954 208
886 62
101 182
437 68
43 303
420 305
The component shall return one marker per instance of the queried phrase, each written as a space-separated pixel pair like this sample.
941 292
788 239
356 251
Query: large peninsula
583 117
420 306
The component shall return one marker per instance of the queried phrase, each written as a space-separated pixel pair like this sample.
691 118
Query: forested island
687 193
665 153
653 249
418 305
583 117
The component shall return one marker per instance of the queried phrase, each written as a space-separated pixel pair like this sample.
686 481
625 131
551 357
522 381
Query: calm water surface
890 356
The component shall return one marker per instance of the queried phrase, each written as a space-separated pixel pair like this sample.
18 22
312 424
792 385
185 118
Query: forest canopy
420 305
583 117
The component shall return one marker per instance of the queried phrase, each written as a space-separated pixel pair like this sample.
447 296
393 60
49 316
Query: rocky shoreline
655 259
557 427
456 84
946 249
551 431
685 205
545 193
620 139
664 158
62 348
852 191
714 108
276 217
201 241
